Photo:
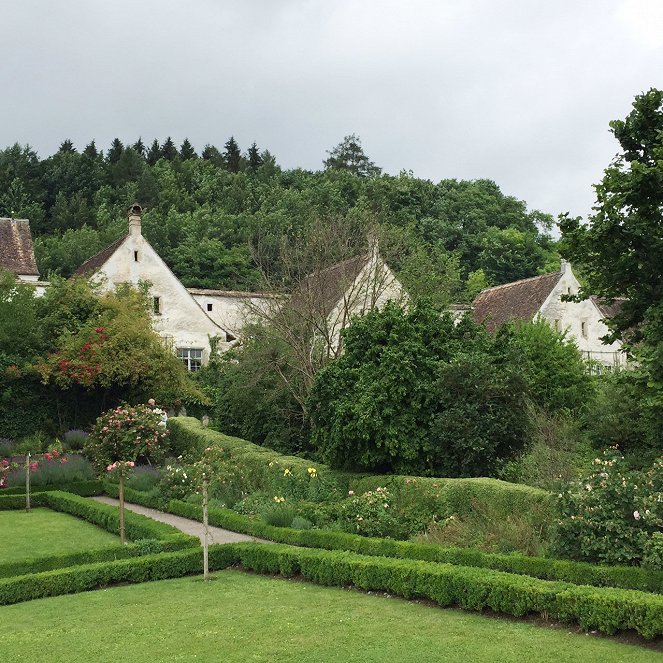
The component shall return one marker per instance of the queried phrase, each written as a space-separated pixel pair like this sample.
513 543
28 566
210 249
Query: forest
218 218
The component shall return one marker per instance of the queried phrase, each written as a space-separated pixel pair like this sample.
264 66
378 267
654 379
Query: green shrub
301 523
143 478
581 573
609 516
607 610
652 555
54 471
370 514
82 488
278 514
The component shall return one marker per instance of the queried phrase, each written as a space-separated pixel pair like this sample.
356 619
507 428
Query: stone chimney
135 212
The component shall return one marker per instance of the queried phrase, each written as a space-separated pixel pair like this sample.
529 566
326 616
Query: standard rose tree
122 437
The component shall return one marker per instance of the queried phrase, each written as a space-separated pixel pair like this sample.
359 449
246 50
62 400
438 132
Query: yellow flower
312 471
286 472
278 500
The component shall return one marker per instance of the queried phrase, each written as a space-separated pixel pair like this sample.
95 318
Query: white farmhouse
327 300
541 297
17 255
178 317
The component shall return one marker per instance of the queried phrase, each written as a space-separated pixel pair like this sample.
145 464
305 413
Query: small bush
652 555
370 514
54 470
74 440
301 523
144 478
278 515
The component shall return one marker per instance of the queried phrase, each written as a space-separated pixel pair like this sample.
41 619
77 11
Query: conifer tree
115 151
349 155
211 153
169 150
186 151
232 156
139 147
154 153
67 147
91 150
254 158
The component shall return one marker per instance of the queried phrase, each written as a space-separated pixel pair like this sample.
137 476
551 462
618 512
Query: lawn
242 617
44 532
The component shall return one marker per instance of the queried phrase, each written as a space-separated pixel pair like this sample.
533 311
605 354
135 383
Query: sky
517 91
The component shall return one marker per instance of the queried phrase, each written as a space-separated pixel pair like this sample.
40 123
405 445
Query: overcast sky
518 91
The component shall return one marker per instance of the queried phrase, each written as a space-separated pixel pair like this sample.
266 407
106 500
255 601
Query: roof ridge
113 245
362 256
519 281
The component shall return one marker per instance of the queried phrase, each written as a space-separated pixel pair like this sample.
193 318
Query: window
135 256
156 305
583 329
209 307
191 357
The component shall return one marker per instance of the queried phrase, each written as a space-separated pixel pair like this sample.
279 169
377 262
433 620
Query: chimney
135 212
565 266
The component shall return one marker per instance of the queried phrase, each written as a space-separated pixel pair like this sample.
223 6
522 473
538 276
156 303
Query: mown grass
40 532
242 617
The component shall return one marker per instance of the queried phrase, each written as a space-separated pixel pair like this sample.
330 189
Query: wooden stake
27 482
206 533
122 509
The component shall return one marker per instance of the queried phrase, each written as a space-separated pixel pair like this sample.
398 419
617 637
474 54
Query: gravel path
217 535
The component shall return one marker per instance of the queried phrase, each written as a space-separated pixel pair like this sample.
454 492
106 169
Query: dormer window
209 307
135 256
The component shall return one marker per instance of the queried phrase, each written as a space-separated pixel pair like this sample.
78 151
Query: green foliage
54 471
610 515
621 250
370 514
625 412
416 393
278 514
581 573
349 155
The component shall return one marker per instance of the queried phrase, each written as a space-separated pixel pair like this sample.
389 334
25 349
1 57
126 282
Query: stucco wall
180 321
570 316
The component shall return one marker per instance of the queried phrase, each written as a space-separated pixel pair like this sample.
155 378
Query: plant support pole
206 533
122 509
27 482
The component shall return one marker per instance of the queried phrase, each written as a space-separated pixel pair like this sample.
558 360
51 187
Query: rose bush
613 515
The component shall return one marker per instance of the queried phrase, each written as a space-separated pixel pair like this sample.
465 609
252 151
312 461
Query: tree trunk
122 540
206 533
27 482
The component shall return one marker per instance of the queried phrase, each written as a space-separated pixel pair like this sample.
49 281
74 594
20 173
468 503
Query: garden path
193 527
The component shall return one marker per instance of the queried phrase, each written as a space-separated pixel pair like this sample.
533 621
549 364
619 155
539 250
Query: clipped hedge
108 517
607 610
107 554
578 573
450 496
92 576
90 488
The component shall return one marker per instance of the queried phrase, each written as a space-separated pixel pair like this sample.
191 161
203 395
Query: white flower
636 515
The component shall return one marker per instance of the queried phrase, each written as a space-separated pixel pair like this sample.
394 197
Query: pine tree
91 150
232 156
115 151
254 158
154 153
349 155
211 153
67 147
186 151
169 150
139 147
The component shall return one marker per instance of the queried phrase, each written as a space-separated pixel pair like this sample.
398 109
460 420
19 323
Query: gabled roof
16 252
98 259
520 300
325 288
609 308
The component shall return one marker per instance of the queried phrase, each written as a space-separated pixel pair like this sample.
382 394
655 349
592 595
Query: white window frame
192 358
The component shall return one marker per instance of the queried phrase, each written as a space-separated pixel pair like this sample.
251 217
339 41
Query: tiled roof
97 260
322 290
609 308
16 252
519 300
